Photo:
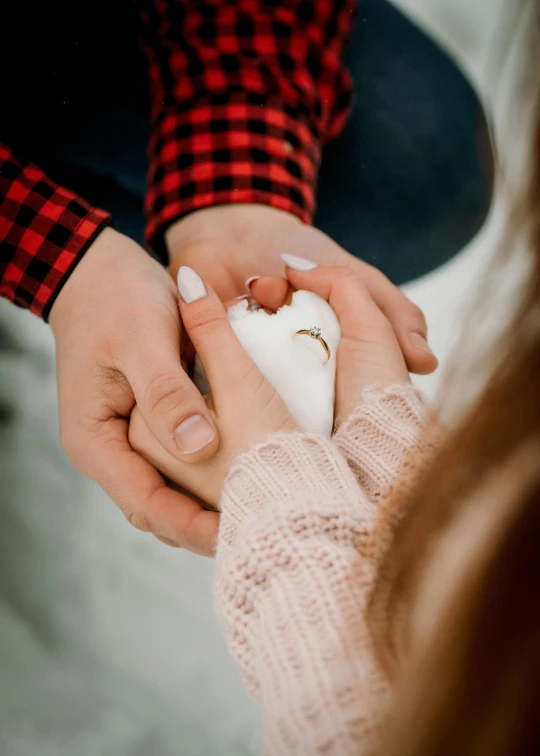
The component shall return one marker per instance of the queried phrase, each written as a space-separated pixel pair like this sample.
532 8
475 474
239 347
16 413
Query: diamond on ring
315 333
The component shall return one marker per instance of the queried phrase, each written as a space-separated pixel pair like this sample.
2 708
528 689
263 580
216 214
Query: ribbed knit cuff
384 437
285 465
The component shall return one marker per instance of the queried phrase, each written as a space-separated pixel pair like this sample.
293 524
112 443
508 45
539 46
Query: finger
346 293
142 495
169 402
407 320
167 541
269 292
225 361
185 479
252 302
272 291
362 323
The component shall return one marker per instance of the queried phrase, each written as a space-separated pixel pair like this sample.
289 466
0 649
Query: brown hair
476 689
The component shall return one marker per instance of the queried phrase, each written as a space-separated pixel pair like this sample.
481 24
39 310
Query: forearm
299 554
295 567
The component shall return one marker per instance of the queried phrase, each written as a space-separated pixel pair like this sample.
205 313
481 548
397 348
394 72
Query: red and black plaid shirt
244 95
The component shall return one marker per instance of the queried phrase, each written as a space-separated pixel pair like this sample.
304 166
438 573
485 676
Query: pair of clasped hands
130 417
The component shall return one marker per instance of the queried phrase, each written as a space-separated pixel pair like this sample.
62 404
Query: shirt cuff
44 231
81 239
231 147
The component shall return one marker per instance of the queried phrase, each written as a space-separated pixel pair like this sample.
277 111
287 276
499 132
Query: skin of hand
247 408
118 333
228 244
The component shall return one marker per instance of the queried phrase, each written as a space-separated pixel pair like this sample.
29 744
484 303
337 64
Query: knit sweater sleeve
296 565
379 436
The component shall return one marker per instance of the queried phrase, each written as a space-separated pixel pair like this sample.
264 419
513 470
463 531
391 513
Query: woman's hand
246 409
369 352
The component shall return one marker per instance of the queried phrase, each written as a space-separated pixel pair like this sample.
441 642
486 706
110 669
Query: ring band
315 333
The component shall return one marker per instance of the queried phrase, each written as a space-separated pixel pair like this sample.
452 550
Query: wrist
107 249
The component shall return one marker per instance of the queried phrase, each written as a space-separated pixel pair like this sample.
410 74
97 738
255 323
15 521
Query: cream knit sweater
298 553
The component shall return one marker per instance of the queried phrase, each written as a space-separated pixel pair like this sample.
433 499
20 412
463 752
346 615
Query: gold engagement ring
315 333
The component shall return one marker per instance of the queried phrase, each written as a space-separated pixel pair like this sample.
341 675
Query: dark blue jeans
405 187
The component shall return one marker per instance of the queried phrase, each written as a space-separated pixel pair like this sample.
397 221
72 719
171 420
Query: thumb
170 403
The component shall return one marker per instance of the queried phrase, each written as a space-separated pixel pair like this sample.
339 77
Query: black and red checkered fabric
44 231
244 95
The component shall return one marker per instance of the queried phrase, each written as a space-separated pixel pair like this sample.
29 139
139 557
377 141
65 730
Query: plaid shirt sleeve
244 95
44 231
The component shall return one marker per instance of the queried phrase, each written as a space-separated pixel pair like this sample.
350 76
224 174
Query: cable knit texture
297 558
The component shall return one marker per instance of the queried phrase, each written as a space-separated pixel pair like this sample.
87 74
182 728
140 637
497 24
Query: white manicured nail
297 263
190 285
250 280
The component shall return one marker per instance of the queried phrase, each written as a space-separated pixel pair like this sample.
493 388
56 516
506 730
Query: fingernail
419 342
193 434
250 280
190 285
297 263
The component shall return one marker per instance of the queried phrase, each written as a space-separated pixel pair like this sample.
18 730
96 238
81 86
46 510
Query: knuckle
348 279
205 325
344 273
163 394
184 533
139 520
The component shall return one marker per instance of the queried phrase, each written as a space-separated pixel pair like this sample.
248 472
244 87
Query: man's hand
246 407
228 244
117 330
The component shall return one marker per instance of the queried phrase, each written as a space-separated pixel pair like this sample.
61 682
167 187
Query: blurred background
109 645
